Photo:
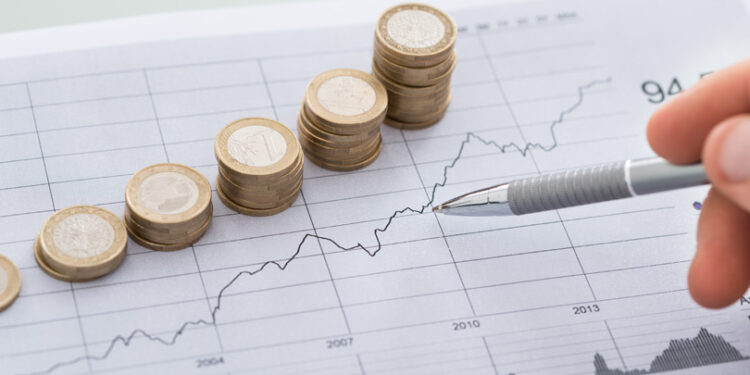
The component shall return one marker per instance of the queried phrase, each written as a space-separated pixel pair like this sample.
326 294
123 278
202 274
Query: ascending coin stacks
414 59
167 206
339 122
260 166
81 243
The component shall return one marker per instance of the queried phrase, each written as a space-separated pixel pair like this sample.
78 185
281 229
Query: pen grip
569 188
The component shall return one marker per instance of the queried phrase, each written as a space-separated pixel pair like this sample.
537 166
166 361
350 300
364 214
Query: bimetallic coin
415 35
184 240
168 194
343 98
257 147
10 282
83 242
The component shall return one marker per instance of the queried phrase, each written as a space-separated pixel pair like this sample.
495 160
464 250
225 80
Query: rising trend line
503 148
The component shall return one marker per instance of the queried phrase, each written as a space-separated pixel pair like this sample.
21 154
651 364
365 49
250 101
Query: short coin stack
339 122
167 206
414 59
10 282
260 166
81 243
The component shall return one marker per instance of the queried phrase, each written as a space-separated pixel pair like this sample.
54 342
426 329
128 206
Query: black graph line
374 250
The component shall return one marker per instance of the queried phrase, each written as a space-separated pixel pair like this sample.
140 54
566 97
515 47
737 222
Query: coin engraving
3 280
83 235
414 28
346 96
168 193
256 146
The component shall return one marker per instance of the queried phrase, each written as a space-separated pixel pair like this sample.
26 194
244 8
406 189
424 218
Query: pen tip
437 208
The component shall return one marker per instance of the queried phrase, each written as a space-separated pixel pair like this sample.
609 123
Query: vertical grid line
208 301
531 154
617 348
489 354
442 232
156 116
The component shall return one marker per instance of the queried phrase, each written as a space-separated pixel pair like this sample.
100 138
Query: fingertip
667 136
709 284
720 272
715 147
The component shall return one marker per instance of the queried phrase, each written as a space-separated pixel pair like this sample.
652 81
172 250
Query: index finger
678 129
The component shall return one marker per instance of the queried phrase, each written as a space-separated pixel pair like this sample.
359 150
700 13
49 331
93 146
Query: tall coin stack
339 122
81 243
167 206
414 59
260 166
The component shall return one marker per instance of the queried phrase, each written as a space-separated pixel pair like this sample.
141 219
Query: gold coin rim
318 112
280 167
11 292
62 262
446 43
137 208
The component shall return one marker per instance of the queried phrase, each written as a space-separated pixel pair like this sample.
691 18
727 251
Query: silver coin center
168 193
414 28
346 96
256 146
3 281
83 235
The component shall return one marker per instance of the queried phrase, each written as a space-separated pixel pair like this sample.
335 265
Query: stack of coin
10 282
81 243
339 122
260 166
414 59
167 206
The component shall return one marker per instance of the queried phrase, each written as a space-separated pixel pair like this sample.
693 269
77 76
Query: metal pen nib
491 201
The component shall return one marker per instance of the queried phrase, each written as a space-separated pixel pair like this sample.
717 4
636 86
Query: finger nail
734 158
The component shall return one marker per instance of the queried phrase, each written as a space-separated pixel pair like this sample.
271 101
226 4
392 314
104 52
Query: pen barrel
569 188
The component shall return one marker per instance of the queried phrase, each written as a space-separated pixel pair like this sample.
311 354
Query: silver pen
576 187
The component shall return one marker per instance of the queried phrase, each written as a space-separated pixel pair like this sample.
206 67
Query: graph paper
359 276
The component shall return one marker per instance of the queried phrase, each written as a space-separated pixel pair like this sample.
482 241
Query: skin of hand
711 122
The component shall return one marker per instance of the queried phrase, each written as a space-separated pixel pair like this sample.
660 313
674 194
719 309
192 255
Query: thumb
726 156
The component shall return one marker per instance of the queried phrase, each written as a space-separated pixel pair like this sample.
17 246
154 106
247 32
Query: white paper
546 293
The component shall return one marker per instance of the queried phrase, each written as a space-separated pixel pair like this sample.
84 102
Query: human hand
711 122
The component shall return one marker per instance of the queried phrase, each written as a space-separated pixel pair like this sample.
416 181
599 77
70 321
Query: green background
17 15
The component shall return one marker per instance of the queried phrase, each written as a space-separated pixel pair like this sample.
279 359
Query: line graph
373 251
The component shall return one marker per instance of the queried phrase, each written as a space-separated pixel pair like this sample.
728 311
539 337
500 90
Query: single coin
251 211
418 77
83 242
257 148
167 195
416 35
10 282
343 98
